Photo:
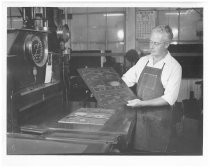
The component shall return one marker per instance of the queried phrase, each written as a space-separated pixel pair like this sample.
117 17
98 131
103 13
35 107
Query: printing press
42 117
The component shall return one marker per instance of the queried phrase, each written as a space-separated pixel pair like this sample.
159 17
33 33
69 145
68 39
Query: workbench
116 132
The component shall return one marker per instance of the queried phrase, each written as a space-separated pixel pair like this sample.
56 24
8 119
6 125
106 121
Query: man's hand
134 103
153 102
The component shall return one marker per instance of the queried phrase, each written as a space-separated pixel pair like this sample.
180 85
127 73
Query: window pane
142 46
9 24
115 47
15 11
115 27
188 24
8 11
170 18
15 22
96 46
97 9
79 28
79 46
96 28
113 9
79 10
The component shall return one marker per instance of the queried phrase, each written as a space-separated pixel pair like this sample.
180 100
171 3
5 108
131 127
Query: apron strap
146 63
163 66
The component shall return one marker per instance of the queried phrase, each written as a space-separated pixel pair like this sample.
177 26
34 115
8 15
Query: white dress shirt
170 78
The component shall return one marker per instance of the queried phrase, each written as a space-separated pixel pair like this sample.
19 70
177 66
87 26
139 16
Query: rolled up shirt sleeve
130 76
173 85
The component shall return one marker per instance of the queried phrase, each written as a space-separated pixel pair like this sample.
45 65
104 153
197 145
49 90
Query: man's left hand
134 103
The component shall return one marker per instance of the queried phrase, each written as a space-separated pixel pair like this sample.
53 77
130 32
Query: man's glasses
156 43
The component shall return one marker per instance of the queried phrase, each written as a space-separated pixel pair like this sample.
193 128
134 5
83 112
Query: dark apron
153 126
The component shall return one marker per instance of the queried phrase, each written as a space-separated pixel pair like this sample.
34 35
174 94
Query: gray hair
164 29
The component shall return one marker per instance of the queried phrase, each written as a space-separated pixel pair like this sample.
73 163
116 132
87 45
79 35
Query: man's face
158 44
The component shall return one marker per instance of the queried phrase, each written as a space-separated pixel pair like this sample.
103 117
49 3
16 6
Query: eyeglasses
156 43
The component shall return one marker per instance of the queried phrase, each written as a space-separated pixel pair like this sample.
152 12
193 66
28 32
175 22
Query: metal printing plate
107 87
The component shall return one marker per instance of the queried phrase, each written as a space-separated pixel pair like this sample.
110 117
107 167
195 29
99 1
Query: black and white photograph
90 79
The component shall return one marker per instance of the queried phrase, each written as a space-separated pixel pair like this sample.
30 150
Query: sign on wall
145 22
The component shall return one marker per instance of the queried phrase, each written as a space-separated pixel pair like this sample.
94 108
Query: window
115 32
96 32
98 29
79 32
170 17
188 24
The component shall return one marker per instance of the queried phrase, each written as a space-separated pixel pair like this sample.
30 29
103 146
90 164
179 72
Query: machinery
33 72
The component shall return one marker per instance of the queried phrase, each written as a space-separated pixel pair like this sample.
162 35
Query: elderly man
158 78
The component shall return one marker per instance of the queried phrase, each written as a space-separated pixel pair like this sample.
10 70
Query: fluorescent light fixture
172 13
114 14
